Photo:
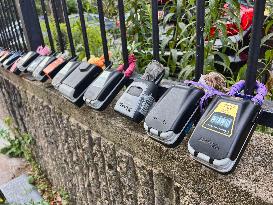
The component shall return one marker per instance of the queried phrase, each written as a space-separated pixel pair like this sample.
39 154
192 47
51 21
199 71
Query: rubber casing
104 89
137 100
63 73
173 115
220 146
75 84
26 60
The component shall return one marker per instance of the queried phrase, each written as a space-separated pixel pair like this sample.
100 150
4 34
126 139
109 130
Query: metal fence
20 30
59 11
11 32
21 25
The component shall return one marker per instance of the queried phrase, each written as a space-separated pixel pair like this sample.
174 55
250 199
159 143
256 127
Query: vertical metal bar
123 34
30 22
57 23
68 28
16 27
84 33
2 35
200 24
11 24
103 32
19 24
155 30
6 26
254 47
49 34
5 38
3 41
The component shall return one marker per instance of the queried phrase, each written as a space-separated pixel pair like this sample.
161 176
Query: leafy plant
139 31
18 144
93 33
178 35
72 6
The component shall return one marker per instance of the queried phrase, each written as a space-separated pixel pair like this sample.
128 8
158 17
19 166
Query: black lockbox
76 83
38 72
223 132
8 62
64 72
5 57
140 95
104 89
174 114
26 60
34 64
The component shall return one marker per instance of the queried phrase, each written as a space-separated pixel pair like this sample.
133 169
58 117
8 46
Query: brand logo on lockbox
209 142
222 119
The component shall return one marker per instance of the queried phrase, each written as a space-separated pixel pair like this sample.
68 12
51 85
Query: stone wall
103 158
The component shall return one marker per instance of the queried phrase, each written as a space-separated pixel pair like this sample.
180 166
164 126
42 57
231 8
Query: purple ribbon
234 90
209 92
261 91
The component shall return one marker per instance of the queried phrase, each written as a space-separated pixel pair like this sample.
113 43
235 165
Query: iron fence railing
59 12
11 32
21 30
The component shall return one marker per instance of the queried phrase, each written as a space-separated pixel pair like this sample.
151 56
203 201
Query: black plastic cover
104 89
174 108
224 128
64 72
76 83
26 60
38 72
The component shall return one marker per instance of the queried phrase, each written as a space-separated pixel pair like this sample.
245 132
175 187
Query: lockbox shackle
103 33
155 30
123 34
254 47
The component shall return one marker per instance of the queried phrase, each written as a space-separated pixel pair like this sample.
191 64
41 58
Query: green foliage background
178 39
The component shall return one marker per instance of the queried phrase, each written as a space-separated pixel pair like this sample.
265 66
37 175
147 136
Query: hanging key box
64 72
104 89
26 60
53 68
76 83
174 114
9 62
38 72
141 94
223 132
5 57
34 64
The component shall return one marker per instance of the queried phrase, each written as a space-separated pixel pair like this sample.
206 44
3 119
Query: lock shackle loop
261 91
